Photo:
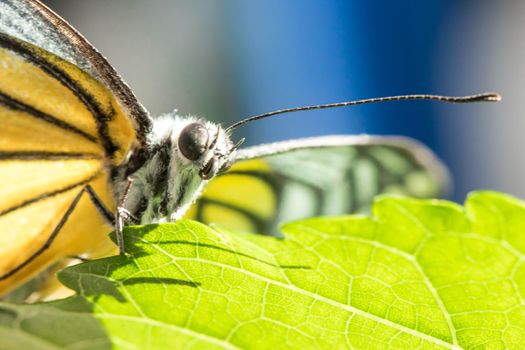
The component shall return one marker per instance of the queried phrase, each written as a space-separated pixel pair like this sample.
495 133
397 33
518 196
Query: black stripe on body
156 163
178 201
101 119
45 155
16 105
160 183
46 195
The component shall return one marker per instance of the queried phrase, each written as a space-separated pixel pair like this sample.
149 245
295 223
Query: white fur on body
183 183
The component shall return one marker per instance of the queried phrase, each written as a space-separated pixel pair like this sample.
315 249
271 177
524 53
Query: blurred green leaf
420 274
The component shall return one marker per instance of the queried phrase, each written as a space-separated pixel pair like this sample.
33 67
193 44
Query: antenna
483 97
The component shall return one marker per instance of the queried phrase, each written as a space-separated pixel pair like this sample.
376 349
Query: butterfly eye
193 140
210 169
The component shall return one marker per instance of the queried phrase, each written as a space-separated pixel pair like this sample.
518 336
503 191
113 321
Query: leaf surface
418 274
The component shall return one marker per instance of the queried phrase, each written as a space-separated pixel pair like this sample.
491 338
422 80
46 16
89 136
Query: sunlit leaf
418 274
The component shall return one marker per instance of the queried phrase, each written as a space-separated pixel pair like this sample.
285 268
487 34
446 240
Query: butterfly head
185 153
207 146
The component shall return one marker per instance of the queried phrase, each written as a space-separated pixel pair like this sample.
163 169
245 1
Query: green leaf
66 324
418 274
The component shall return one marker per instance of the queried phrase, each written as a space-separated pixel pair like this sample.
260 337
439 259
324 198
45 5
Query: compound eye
193 140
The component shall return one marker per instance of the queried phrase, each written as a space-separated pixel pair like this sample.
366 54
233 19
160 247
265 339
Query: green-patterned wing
331 175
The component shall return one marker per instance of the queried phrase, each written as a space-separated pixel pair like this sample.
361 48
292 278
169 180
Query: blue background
231 59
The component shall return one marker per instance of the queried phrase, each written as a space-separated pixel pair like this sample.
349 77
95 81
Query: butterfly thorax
183 154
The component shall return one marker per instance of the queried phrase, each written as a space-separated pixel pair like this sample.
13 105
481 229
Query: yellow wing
245 198
62 131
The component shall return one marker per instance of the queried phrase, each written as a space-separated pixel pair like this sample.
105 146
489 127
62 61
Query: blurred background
231 59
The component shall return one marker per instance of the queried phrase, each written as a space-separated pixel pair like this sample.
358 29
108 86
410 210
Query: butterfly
79 155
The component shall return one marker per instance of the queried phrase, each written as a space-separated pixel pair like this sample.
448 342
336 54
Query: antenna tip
492 97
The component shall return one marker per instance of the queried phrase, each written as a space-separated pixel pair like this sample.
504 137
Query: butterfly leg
121 216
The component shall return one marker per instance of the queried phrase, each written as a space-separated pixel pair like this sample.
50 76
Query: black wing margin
33 22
